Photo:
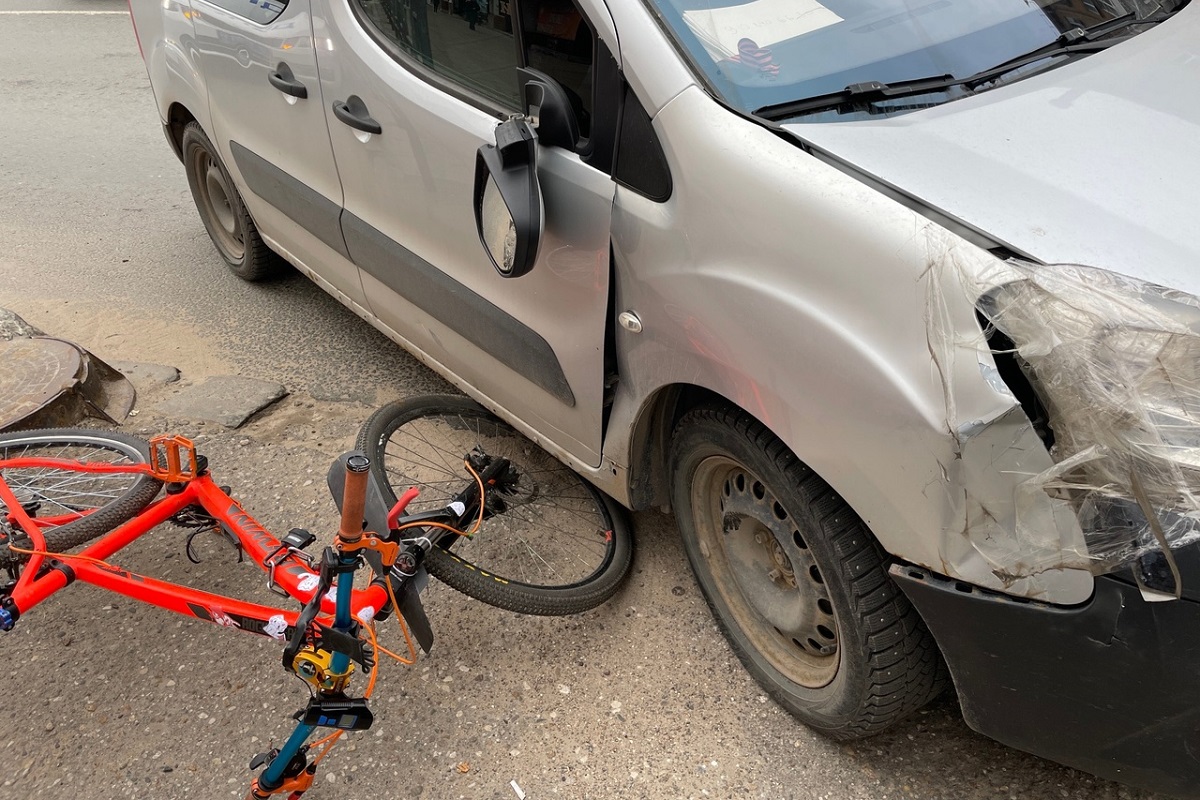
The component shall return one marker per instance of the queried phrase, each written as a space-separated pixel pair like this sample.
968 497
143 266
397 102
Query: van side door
268 119
414 88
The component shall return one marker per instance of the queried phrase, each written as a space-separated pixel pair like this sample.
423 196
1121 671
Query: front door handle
353 112
283 80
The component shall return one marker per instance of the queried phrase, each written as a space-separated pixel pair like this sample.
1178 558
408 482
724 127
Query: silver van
892 302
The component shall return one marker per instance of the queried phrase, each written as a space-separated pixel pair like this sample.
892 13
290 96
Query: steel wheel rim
764 572
216 197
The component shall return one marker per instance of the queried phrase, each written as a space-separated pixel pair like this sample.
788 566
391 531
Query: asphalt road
100 243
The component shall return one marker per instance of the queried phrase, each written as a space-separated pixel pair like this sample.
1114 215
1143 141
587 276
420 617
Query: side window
260 11
469 42
559 42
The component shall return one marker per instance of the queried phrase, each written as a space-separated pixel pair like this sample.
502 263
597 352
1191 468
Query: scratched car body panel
855 270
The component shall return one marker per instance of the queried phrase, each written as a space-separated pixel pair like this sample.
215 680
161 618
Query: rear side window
260 11
469 42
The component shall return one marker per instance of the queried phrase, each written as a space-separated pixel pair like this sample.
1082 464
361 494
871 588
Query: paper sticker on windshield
765 22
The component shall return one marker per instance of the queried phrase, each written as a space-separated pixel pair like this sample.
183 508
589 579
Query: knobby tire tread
474 581
107 517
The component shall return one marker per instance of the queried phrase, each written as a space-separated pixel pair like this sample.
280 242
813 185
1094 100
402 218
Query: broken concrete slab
13 327
228 400
146 374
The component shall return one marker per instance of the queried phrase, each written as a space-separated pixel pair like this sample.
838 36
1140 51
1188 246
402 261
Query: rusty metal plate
34 374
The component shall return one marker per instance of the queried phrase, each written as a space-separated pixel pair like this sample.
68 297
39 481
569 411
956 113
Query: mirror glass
499 230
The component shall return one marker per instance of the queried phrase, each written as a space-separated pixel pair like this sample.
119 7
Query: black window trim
430 75
630 102
599 150
602 81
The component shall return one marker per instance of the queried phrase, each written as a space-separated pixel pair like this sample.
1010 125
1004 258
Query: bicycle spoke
553 530
56 485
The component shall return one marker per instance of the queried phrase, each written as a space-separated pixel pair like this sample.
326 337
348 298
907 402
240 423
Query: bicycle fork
326 663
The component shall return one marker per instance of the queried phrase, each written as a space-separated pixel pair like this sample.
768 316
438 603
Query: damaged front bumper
1111 686
1111 366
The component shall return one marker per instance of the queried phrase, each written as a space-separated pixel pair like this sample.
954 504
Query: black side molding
472 316
304 205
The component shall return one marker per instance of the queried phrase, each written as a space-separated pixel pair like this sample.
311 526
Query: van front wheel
796 580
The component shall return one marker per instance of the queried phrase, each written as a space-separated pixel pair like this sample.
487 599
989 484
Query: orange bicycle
479 506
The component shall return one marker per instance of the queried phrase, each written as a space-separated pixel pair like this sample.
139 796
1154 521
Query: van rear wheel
222 211
796 580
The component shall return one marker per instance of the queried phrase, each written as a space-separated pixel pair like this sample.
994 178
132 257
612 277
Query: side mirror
549 106
508 199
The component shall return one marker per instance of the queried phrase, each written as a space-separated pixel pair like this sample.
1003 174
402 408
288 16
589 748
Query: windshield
764 53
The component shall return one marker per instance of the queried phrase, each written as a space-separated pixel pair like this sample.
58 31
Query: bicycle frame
292 573
323 638
319 638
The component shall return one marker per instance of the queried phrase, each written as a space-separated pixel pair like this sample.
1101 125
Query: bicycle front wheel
83 505
559 547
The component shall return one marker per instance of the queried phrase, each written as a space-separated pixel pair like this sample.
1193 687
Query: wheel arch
649 453
172 64
178 117
650 442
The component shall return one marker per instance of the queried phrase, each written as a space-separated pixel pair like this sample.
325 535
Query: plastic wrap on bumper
1116 363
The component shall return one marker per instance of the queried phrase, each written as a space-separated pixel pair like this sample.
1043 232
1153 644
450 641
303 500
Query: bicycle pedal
342 713
173 459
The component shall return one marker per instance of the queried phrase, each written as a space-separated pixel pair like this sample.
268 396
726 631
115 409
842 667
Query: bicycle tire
561 547
104 500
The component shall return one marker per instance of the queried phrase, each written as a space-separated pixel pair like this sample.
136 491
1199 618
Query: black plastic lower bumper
1111 687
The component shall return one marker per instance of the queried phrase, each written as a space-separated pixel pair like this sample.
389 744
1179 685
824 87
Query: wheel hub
215 196
220 200
766 572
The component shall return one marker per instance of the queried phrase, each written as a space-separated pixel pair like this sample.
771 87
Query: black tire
796 580
108 499
562 547
223 212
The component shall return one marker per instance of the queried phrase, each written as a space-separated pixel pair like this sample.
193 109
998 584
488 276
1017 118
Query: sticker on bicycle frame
308 583
367 613
331 595
276 627
223 619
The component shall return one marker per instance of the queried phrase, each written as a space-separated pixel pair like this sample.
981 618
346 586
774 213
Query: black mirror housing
547 104
509 216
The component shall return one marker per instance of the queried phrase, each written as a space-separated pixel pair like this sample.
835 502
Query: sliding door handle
283 80
353 112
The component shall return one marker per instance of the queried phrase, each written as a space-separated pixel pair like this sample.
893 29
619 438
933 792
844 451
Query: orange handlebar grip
354 498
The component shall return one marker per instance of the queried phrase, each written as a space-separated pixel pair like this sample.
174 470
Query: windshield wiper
1072 42
1115 24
